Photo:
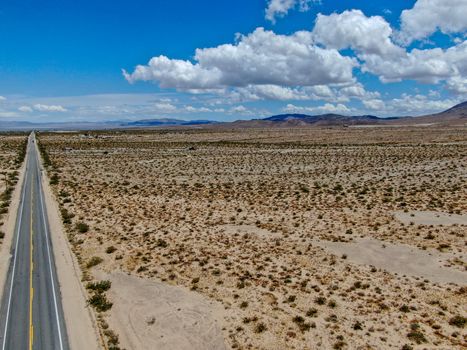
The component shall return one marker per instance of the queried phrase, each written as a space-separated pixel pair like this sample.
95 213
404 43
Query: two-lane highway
31 314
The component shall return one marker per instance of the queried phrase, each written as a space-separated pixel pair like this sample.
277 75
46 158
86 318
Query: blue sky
63 60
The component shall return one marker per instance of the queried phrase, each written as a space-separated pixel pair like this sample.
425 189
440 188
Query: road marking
16 253
31 267
50 261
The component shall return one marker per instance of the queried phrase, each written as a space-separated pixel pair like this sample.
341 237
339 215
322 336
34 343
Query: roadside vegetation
12 154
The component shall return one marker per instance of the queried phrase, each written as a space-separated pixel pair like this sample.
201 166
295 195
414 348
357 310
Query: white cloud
268 92
352 29
371 39
418 104
2 98
191 109
280 8
375 105
428 66
49 108
326 108
164 107
357 91
457 85
309 65
260 58
337 93
428 16
239 109
25 109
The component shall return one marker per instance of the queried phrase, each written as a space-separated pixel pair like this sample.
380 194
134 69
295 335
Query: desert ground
306 238
12 153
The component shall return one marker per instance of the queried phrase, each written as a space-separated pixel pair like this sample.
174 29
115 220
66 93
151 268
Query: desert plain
12 153
303 238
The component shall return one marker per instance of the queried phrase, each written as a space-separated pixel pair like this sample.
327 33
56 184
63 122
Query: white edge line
25 179
50 262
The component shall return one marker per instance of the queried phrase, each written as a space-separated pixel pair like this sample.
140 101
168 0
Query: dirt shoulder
80 320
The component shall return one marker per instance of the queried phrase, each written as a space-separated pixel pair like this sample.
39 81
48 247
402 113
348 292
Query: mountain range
456 115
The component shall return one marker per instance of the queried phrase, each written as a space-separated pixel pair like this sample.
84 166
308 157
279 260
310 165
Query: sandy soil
400 259
153 315
80 321
430 218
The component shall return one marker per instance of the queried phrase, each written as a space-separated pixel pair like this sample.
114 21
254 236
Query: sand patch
430 218
148 314
397 258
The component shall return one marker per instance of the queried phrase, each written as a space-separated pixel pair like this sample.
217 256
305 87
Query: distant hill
119 124
165 122
460 108
327 119
454 116
292 120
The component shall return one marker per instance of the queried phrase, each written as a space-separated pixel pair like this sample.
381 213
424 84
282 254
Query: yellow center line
31 267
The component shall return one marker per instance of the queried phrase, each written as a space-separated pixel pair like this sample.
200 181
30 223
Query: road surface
31 314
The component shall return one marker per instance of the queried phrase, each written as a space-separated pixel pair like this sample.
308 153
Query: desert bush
458 321
82 227
95 260
110 249
100 287
100 302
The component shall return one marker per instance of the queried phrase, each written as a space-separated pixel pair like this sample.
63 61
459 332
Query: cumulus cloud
428 16
352 29
239 109
260 58
268 92
375 105
357 91
337 93
2 98
281 93
428 66
326 108
191 109
280 8
457 85
25 109
418 104
49 108
312 65
371 39
164 107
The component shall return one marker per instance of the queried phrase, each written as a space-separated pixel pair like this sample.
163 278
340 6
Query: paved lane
31 314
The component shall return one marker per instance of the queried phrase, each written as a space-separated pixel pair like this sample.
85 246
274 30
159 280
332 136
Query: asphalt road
31 314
